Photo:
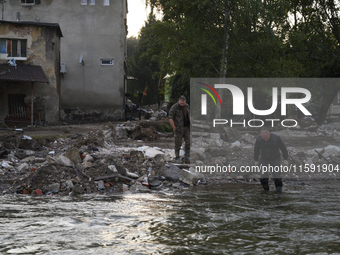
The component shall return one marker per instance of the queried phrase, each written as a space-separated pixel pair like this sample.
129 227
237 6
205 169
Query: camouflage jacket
176 114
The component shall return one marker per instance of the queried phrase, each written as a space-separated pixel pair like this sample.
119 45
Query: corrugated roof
22 73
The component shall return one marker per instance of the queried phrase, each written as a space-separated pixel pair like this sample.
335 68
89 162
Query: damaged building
92 54
29 72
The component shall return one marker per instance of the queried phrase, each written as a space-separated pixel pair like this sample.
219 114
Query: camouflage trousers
179 135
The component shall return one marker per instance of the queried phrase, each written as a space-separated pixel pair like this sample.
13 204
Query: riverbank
138 157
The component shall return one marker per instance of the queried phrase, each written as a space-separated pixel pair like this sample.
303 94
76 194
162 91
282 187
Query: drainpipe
32 88
2 2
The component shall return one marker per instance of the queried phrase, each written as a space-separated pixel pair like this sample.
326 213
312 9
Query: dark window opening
16 106
27 1
15 48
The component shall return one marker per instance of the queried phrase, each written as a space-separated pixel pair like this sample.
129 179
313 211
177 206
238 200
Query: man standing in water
268 146
180 123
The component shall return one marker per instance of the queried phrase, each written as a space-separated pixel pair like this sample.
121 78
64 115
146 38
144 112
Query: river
223 219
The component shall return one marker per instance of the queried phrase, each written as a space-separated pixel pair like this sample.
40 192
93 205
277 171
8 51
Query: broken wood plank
106 177
113 176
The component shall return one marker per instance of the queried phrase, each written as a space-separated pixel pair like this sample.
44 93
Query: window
16 106
92 2
27 2
14 48
106 2
83 2
106 62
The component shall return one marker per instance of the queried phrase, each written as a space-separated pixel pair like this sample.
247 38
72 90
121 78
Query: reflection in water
233 218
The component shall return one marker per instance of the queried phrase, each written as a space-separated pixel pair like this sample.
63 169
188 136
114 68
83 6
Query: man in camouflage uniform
180 122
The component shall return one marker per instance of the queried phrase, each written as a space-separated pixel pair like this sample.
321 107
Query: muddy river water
224 219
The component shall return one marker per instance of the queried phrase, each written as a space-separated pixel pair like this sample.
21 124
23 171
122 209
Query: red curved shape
213 90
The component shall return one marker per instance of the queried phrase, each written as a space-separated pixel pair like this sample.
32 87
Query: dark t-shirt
186 120
270 150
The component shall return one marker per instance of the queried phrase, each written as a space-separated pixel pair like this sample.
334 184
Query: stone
331 151
155 183
236 144
12 158
69 184
215 136
121 132
23 167
136 154
101 185
55 187
44 164
51 160
78 189
73 155
132 175
301 154
20 155
143 178
248 138
6 164
125 187
138 187
171 172
189 177
199 135
199 152
177 185
120 169
88 189
84 165
112 169
167 157
232 134
88 158
215 142
65 161
150 152
29 153
308 161
28 159
40 160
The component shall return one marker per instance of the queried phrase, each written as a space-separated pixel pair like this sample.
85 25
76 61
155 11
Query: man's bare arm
171 121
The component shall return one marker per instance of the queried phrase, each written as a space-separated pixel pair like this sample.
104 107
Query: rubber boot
178 159
264 183
278 185
279 189
187 155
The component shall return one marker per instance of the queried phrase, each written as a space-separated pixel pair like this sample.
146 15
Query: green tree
144 69
260 38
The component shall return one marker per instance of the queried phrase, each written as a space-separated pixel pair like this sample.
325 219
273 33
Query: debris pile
90 163
94 162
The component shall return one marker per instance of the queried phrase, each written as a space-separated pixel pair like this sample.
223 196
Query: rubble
93 162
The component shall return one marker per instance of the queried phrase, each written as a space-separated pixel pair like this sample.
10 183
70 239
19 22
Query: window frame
24 3
106 2
19 48
83 2
107 59
92 2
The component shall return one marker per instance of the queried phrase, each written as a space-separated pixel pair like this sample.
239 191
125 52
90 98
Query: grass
48 138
